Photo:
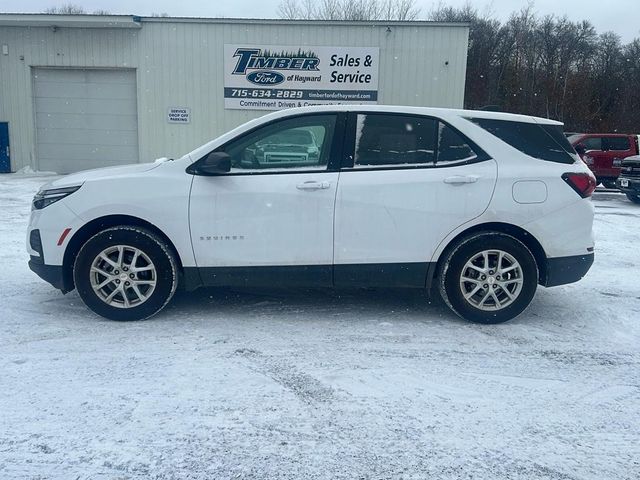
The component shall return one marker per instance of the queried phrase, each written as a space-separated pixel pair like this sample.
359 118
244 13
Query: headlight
46 197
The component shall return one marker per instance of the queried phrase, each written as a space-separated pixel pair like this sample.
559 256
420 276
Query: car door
5 161
592 143
408 182
270 219
616 148
592 155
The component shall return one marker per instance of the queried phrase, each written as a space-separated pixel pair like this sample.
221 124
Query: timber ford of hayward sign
277 77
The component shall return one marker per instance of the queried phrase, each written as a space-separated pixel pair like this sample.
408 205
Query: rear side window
391 140
592 143
387 141
616 143
546 142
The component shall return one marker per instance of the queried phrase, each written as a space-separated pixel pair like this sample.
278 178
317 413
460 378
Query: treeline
551 67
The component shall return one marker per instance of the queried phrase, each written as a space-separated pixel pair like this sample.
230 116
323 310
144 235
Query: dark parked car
629 179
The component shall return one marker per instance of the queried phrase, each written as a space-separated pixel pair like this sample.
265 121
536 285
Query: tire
610 184
634 197
105 264
502 300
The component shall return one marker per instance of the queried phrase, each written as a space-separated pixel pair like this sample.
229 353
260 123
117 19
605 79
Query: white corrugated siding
179 64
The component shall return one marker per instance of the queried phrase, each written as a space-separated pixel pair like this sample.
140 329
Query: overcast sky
619 16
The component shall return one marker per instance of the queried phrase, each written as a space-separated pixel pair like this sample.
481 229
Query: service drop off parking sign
275 77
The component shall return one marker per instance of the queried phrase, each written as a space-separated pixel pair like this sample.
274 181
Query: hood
632 160
100 173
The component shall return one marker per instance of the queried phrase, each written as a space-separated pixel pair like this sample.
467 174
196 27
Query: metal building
83 91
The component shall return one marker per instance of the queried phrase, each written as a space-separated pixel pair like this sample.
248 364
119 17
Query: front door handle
461 179
312 185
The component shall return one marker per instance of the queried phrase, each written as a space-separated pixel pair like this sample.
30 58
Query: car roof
430 111
605 134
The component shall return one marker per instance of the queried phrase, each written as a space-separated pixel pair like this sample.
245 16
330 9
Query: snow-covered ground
322 384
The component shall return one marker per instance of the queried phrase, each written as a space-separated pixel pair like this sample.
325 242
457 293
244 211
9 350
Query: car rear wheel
488 277
125 273
610 184
634 197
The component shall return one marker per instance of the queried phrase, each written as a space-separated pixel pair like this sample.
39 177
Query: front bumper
563 270
632 185
52 274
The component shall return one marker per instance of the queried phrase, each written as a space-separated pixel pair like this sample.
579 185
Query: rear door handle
461 179
312 185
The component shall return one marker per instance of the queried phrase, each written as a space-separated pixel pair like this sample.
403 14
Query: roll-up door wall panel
85 118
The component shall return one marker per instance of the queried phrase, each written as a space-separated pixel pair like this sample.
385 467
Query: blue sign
265 77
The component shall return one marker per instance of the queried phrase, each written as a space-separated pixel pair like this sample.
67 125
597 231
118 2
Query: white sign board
179 115
267 77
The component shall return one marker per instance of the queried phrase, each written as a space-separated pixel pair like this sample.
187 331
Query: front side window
592 143
387 141
301 143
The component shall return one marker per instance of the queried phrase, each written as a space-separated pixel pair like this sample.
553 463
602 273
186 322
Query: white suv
484 206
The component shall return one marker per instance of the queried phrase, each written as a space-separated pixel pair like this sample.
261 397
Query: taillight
583 183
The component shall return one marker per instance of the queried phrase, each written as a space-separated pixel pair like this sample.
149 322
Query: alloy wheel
123 276
491 280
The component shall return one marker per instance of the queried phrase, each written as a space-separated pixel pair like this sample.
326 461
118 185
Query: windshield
295 137
574 138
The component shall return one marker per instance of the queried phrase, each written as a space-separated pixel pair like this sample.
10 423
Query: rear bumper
563 270
633 185
52 274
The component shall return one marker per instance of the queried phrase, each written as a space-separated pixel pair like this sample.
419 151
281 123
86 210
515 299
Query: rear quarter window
620 144
453 148
545 142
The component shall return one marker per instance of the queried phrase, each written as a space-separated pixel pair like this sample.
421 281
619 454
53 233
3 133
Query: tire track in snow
307 388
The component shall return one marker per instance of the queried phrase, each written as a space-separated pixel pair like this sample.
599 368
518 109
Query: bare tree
289 9
72 9
348 9
67 9
551 67
400 10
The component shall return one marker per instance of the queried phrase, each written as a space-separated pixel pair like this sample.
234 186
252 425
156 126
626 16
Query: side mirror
580 149
216 163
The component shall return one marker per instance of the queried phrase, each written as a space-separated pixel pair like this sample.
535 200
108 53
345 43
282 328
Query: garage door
85 118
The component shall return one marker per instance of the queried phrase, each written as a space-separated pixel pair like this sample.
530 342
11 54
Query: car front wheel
489 277
125 273
634 197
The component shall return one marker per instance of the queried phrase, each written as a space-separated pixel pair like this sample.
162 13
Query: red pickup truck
603 153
